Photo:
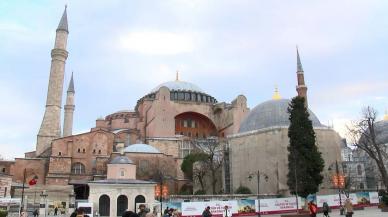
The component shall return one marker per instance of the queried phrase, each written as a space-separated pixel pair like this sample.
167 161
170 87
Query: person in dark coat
206 212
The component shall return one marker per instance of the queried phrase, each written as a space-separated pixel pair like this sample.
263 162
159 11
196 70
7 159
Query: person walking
36 213
206 212
313 209
325 209
142 210
348 208
56 210
169 212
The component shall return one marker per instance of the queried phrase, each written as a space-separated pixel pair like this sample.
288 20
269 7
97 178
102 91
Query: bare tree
365 136
199 173
213 148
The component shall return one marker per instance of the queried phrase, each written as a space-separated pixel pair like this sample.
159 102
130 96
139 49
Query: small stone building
121 190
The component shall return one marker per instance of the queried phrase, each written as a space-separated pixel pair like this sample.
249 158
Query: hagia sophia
158 133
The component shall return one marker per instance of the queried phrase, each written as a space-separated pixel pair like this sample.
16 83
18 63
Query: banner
278 205
363 198
374 198
217 208
246 207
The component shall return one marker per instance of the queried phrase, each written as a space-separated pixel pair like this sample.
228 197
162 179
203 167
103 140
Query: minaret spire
51 124
69 109
177 75
301 88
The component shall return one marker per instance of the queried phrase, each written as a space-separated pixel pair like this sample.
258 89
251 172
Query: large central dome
179 86
272 113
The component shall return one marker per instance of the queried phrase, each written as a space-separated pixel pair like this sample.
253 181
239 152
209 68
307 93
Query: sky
120 49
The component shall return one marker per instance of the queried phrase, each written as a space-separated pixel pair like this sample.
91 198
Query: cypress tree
305 162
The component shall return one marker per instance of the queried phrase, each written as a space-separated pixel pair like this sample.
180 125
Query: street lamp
338 182
71 202
258 175
43 203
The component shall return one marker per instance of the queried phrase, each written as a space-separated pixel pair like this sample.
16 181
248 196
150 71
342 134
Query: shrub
3 213
200 192
243 190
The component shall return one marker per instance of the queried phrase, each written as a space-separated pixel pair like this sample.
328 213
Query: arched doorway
104 205
122 204
139 199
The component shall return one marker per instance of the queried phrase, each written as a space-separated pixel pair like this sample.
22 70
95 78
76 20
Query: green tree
189 160
305 162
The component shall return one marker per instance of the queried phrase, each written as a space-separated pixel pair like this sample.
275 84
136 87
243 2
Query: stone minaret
51 124
301 88
69 109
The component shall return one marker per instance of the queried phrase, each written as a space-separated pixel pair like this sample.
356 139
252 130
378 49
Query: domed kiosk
141 148
261 144
117 193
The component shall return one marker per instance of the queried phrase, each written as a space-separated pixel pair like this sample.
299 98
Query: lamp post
258 175
43 203
71 201
338 182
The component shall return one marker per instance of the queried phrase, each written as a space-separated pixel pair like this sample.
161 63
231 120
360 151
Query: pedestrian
149 213
313 209
56 210
325 209
169 212
23 213
36 213
165 211
142 210
206 212
74 214
348 208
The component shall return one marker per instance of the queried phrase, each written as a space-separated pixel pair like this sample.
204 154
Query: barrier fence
249 207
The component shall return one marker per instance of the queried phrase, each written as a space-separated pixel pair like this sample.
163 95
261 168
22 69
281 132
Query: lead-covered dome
141 148
272 113
179 86
121 160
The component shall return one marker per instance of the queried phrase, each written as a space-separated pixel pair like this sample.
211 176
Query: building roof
272 113
178 85
71 84
121 160
141 148
122 181
381 131
63 23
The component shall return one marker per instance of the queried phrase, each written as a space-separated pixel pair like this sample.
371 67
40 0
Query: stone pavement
367 212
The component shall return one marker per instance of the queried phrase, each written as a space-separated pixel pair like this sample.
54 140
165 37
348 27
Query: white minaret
69 109
51 124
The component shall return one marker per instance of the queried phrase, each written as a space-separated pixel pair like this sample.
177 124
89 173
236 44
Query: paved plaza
367 212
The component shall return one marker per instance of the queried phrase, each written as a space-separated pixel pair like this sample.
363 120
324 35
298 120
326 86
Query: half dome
272 113
141 148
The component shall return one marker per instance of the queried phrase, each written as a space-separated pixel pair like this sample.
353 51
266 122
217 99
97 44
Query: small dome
141 148
272 113
178 86
121 160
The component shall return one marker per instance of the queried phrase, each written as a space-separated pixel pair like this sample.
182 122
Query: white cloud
156 42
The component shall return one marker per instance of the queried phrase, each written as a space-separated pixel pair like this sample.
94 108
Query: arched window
78 168
122 204
359 171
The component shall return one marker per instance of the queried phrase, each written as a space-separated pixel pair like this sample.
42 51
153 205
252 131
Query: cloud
156 42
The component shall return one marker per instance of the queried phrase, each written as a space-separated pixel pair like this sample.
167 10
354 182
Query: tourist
313 209
206 212
56 211
149 213
169 212
142 210
35 213
74 214
325 209
348 208
165 211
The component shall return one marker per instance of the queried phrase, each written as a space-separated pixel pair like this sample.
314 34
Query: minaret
301 88
69 109
51 124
